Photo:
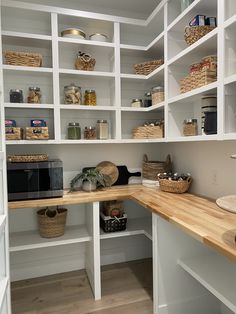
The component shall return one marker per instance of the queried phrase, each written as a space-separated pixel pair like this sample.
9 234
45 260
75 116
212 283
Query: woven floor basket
152 168
85 63
147 67
175 186
23 59
194 33
51 223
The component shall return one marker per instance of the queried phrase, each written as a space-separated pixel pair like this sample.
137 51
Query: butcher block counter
197 216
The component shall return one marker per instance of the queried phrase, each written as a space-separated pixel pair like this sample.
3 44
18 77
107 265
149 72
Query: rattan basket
152 168
85 63
147 67
27 158
156 131
23 58
194 33
175 186
51 223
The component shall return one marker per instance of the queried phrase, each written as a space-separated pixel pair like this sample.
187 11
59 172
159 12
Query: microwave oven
31 180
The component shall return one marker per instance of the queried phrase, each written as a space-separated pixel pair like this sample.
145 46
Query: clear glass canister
90 98
34 95
190 127
73 131
157 95
102 129
147 99
72 94
90 133
137 103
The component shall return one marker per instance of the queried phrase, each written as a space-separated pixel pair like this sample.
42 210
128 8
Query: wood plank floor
126 289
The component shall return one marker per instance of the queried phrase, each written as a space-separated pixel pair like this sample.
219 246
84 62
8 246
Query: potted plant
90 180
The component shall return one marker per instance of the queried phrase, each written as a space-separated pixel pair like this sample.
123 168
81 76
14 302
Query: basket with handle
175 186
51 223
152 168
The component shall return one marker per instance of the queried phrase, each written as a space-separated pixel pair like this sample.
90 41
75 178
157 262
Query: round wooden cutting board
227 202
110 169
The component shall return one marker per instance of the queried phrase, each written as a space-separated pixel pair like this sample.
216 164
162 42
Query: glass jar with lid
72 94
136 103
102 129
16 96
73 131
147 99
90 133
34 95
190 127
157 95
90 97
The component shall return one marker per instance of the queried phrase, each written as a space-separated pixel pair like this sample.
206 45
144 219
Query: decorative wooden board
228 203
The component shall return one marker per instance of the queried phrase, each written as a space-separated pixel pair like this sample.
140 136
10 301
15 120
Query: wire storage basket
51 223
112 224
23 59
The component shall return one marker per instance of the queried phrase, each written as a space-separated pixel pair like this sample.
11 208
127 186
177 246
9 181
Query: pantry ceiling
128 8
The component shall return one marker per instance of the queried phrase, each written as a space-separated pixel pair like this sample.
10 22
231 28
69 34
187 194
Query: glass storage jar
72 94
102 129
90 133
90 97
16 96
157 95
136 103
147 99
34 95
190 127
73 131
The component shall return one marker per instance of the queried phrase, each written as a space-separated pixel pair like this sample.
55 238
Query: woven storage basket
23 58
156 131
51 223
85 63
152 168
175 186
111 208
112 224
147 67
27 158
194 33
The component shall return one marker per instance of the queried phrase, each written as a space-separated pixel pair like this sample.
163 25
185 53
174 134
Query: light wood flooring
126 289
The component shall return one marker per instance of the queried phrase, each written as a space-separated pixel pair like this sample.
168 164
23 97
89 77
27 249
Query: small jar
137 103
72 94
90 98
34 95
90 133
147 99
16 96
73 131
157 95
102 129
190 127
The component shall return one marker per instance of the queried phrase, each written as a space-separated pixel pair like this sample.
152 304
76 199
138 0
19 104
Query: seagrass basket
152 168
85 63
147 67
148 131
175 186
51 223
27 158
23 58
194 33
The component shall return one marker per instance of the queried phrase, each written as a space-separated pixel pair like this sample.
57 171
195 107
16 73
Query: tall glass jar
90 98
157 95
73 131
34 95
102 129
72 95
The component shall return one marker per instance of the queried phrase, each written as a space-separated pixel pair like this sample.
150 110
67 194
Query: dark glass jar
210 122
16 96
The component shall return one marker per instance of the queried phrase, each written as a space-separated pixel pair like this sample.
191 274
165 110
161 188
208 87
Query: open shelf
21 35
28 142
30 106
28 240
230 9
7 67
85 42
208 271
87 73
230 109
134 227
230 50
84 107
3 288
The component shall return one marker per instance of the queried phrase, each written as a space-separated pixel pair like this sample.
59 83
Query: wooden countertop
199 217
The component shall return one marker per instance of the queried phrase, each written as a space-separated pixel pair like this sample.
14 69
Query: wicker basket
112 224
51 223
36 133
23 58
175 186
27 158
148 131
152 168
13 133
85 63
112 208
147 67
194 33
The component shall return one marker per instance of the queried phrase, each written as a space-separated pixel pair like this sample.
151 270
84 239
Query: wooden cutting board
227 202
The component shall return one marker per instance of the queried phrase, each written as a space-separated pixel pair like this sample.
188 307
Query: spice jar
90 98
147 99
72 94
34 95
102 129
157 95
73 131
190 127
137 103
90 133
16 96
